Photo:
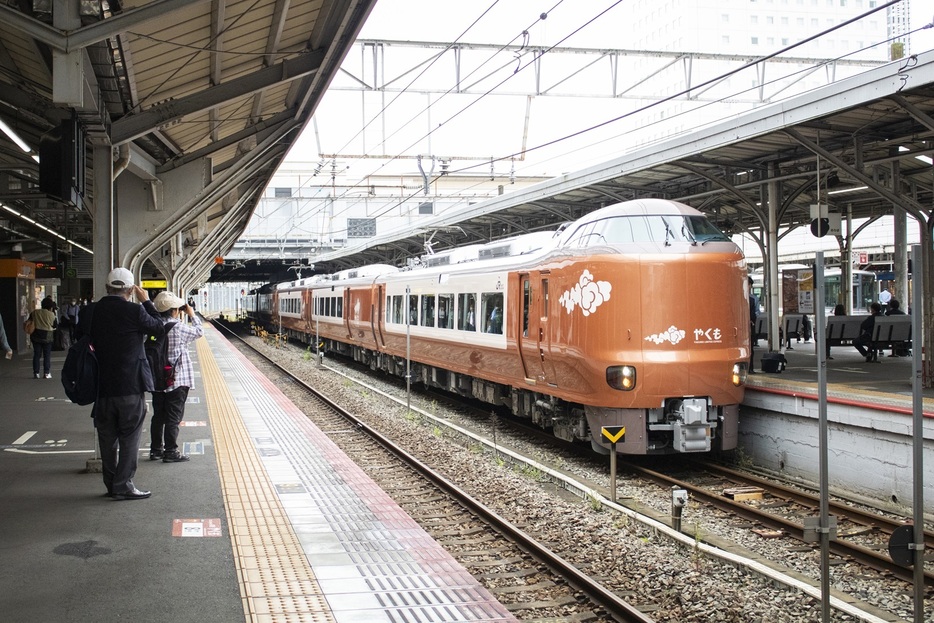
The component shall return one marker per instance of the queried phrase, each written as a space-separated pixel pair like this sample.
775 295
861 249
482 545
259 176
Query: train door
533 334
378 316
345 310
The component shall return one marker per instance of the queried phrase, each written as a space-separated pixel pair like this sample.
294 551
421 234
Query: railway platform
870 424
268 521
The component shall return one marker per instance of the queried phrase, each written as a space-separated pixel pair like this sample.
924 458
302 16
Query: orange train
635 315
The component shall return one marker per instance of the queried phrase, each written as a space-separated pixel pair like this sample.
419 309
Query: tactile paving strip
276 583
371 560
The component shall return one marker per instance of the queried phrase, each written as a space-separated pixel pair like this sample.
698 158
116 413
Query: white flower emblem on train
588 294
673 334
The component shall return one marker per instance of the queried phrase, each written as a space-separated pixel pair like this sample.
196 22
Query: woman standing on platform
168 406
44 323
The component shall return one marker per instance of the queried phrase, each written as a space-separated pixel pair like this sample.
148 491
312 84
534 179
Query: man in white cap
117 328
168 405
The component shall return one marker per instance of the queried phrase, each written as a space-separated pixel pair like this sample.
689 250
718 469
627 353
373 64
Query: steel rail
618 608
886 524
844 549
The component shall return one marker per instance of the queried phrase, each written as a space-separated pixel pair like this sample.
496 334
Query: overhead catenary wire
403 200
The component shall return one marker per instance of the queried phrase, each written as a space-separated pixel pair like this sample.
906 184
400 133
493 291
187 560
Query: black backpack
80 372
157 352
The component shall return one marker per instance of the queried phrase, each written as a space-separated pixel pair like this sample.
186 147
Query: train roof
363 272
640 206
507 247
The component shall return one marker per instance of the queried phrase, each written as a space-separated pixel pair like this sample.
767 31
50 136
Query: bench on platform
762 328
842 330
791 325
890 332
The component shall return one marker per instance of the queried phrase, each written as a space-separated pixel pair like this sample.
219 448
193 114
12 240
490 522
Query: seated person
865 333
838 310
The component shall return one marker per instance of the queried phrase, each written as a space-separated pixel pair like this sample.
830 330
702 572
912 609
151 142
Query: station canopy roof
166 82
860 146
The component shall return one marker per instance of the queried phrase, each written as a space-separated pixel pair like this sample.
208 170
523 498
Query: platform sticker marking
193 423
193 447
196 527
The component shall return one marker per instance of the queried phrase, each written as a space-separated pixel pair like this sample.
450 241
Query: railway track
561 456
529 579
861 536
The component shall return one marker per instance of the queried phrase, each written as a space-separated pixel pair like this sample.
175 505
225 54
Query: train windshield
663 229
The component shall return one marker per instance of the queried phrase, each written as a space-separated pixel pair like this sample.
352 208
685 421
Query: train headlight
621 377
739 373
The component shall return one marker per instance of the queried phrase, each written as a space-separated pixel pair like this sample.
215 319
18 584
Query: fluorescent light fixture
925 159
23 217
14 137
847 190
902 148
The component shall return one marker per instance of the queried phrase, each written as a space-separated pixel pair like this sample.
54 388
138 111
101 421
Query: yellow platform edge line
264 545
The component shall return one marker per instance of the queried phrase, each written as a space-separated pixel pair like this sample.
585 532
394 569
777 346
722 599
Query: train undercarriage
682 425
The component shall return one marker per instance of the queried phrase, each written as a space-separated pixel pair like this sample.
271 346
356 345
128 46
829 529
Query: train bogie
635 316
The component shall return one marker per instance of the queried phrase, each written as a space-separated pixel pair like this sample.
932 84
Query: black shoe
175 457
132 494
753 372
155 455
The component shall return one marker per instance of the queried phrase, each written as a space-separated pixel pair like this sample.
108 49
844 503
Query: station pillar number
613 434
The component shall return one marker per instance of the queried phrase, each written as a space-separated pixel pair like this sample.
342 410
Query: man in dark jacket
753 316
865 333
118 328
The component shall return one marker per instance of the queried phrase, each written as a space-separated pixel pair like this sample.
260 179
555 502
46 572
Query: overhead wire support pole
820 327
408 350
917 410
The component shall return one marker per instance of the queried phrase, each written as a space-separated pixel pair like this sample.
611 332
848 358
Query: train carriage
635 315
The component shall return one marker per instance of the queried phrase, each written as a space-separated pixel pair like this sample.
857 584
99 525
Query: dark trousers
45 352
861 343
119 421
168 409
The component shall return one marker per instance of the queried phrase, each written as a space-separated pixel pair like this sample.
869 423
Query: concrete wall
869 451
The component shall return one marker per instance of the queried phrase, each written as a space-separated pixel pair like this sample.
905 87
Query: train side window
397 315
339 306
428 310
526 305
544 298
413 310
467 312
491 304
446 311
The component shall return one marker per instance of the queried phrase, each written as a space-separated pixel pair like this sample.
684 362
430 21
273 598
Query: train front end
666 345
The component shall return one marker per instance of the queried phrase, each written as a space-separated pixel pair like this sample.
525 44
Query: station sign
153 284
